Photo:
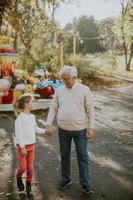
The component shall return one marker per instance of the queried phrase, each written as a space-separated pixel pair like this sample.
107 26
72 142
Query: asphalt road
111 154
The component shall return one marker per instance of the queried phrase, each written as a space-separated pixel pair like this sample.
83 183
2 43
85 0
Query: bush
85 69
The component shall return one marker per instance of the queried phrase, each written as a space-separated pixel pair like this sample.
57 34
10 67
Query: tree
87 30
109 38
33 29
3 5
126 27
35 33
53 5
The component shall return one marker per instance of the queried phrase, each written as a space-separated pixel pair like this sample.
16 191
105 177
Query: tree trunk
128 67
123 12
15 46
124 43
130 59
3 4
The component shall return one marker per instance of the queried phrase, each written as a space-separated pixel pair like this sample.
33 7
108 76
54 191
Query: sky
100 9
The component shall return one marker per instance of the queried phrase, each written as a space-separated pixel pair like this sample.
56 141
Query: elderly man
72 104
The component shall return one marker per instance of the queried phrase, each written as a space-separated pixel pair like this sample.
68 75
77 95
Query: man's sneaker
20 184
87 190
64 184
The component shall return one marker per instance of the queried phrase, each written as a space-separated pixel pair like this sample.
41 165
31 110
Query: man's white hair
70 70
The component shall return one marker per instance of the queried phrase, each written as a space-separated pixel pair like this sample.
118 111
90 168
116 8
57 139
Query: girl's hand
49 130
23 151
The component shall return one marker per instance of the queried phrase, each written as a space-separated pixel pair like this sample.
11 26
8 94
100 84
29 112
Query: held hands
23 151
49 130
90 133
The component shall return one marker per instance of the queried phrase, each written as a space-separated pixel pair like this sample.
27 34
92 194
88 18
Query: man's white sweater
73 108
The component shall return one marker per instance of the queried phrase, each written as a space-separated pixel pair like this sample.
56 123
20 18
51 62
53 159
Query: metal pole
74 49
61 54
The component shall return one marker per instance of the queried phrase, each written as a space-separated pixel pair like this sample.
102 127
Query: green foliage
125 25
88 28
52 64
37 34
85 70
125 31
35 31
3 5
109 38
87 35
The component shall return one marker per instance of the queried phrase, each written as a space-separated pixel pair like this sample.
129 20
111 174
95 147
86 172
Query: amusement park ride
14 81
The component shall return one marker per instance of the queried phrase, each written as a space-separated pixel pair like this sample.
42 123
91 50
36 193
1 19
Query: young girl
25 129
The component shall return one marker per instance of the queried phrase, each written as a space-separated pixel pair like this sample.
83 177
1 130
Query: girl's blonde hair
25 98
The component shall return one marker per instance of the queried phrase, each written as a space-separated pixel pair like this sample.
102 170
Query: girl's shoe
28 190
20 184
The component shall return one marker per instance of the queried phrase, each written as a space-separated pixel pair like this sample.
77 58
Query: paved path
111 154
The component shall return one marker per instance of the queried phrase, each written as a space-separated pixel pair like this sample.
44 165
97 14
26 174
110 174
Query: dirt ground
111 154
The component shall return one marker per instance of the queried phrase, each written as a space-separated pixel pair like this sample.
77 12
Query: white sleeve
89 107
19 132
38 129
53 109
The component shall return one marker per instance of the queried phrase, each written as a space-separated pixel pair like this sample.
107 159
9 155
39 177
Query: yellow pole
61 54
74 49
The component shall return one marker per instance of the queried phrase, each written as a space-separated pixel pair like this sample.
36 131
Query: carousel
8 63
15 81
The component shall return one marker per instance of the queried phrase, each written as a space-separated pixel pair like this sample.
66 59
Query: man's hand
90 133
49 130
23 151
